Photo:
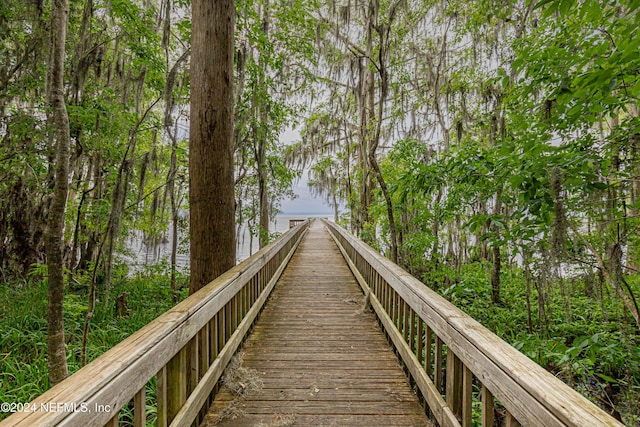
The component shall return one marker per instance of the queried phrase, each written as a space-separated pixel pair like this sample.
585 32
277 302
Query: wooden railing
296 221
458 367
180 356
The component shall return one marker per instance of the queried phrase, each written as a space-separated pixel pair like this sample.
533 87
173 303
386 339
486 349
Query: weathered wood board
320 359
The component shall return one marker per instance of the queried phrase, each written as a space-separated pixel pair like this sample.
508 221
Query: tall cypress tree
57 355
211 181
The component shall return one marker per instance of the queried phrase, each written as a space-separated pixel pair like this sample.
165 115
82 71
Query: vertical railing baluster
420 342
205 349
467 397
193 364
221 328
389 300
428 358
401 308
256 285
419 352
203 361
253 289
384 298
247 299
140 408
412 330
394 307
407 325
454 383
236 310
437 375
511 420
113 422
214 345
176 383
161 398
402 305
228 330
488 406
412 342
399 316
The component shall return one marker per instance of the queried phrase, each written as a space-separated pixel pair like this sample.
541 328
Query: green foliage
23 327
592 348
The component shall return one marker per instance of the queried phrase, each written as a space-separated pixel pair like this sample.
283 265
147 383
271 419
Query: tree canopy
491 148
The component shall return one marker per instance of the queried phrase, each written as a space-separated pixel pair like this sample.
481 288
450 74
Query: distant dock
296 221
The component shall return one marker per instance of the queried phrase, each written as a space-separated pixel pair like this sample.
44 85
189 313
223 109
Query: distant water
142 253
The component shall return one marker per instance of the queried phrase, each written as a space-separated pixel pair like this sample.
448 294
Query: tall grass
23 327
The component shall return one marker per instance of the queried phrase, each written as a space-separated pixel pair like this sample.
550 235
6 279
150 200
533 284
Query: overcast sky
305 203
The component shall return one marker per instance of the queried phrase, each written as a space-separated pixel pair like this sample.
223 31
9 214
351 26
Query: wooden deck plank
321 361
324 420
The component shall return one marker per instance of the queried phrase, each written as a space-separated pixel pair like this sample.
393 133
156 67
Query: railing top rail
526 389
128 366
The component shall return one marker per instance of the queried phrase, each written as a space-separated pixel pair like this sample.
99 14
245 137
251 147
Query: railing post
140 408
428 343
412 330
176 383
406 326
488 406
454 383
193 367
113 422
437 375
511 421
213 347
221 328
161 396
204 350
467 397
420 344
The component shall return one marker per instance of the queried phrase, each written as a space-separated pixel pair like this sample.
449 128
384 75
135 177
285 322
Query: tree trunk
73 264
114 225
496 266
54 241
175 209
261 156
264 205
211 180
174 246
172 130
383 32
263 199
633 252
365 93
88 249
528 279
627 299
495 275
435 229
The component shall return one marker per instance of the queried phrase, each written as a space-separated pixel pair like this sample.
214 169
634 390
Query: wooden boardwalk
318 360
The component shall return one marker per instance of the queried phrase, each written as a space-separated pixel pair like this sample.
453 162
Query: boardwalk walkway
321 362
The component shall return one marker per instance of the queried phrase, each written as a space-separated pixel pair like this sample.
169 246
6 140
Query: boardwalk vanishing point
318 355
299 346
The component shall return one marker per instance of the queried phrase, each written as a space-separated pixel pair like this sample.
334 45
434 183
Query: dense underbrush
23 327
588 341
